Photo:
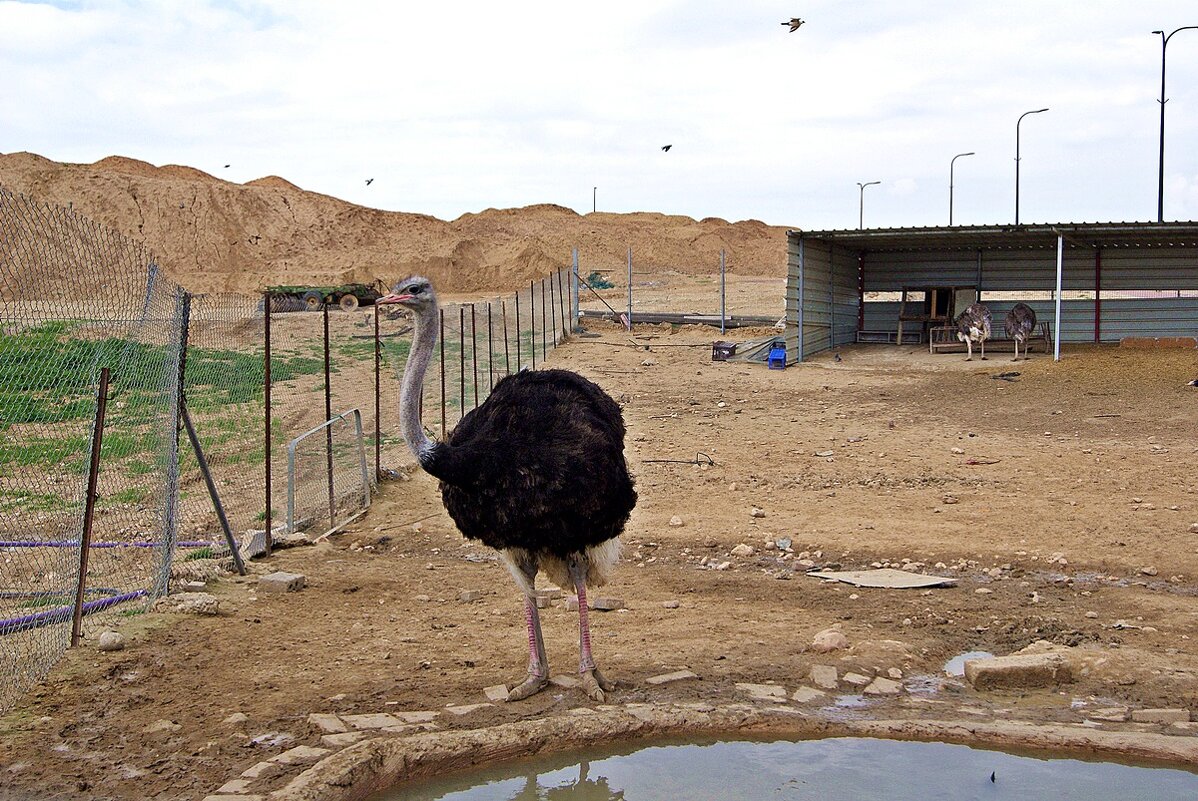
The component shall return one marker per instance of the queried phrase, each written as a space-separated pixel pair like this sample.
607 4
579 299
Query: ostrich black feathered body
974 323
539 466
1021 319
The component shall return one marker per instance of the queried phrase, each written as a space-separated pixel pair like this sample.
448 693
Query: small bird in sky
227 166
794 24
666 148
369 181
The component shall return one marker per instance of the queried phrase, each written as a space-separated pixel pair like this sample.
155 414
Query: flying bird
794 24
666 148
536 472
369 181
227 166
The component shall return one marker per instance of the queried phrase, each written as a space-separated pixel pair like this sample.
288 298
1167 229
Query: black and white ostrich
536 472
973 325
1021 321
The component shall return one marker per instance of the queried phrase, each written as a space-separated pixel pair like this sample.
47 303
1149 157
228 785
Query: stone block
823 676
227 797
856 679
881 686
1160 715
497 692
417 717
667 678
1112 714
564 680
470 596
192 603
300 755
234 786
327 722
608 604
805 695
281 582
256 770
1018 671
465 709
763 692
376 720
342 739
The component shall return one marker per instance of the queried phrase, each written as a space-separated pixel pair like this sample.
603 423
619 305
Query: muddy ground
1062 501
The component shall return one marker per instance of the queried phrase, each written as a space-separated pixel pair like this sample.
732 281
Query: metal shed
1092 282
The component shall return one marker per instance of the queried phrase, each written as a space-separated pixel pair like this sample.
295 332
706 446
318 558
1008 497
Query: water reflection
583 788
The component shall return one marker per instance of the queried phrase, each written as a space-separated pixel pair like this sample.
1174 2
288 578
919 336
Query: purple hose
62 614
75 544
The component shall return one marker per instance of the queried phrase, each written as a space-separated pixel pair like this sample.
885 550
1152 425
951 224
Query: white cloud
455 108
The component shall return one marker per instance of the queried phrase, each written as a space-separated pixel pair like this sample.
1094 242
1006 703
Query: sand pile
214 235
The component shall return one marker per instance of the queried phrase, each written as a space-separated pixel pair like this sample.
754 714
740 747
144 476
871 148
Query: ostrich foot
594 683
531 686
985 358
969 359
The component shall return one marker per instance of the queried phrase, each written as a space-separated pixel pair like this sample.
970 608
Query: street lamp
951 164
861 203
1160 183
1021 116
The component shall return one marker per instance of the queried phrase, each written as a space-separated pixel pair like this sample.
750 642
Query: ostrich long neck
423 340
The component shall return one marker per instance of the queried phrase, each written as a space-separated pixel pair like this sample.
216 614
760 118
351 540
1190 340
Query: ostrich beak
393 298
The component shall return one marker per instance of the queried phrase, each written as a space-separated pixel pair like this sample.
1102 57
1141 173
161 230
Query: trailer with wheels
311 298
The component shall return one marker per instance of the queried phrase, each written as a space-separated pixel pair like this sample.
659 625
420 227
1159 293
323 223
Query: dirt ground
1062 501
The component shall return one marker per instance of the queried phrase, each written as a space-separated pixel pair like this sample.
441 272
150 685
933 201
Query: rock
763 692
983 591
236 719
1149 570
465 709
805 695
1018 671
163 725
667 678
300 755
829 640
256 770
195 586
281 582
825 454
823 676
756 512
564 680
743 550
469 596
783 543
604 604
111 641
496 692
676 521
958 451
951 499
856 679
720 565
1160 715
881 686
542 602
671 604
235 786
1112 714
422 716
193 603
327 722
894 673
376 720
343 739
1091 615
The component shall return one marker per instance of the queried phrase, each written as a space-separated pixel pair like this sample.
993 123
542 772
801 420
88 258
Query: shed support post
1097 295
802 348
860 291
1056 345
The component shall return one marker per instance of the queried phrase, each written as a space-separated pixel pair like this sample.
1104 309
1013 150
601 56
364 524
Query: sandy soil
1068 494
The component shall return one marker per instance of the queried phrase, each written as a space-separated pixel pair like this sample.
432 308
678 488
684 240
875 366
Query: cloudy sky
457 107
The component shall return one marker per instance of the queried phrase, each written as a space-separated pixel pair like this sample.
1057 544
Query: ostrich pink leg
538 664
592 680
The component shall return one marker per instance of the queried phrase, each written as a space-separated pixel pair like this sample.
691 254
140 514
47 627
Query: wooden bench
943 339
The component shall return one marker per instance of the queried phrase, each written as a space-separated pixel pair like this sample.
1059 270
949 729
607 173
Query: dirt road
1061 501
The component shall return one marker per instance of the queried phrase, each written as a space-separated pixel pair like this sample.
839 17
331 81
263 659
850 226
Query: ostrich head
415 293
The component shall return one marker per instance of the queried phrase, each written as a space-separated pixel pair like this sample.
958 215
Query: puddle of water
834 769
956 665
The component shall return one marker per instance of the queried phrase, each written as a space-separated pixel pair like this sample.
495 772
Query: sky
458 107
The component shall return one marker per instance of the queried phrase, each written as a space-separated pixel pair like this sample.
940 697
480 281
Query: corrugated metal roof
1011 237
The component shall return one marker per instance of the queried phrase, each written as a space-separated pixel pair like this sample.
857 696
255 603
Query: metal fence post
378 416
507 362
532 323
170 523
517 332
575 310
552 311
474 352
544 328
723 293
629 289
461 362
328 414
490 350
266 438
89 505
212 493
441 338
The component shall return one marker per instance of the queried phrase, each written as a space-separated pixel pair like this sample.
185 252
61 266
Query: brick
342 739
1018 671
465 709
300 755
608 604
417 717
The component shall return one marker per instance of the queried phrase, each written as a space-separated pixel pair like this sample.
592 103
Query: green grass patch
199 553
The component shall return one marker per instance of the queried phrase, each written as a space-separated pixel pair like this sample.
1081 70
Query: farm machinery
311 298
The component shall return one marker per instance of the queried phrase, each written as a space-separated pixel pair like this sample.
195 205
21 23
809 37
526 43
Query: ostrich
1021 320
536 472
973 325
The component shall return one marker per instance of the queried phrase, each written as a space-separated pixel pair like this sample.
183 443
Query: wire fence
206 393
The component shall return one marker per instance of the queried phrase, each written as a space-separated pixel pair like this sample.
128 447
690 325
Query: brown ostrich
536 472
973 325
1021 321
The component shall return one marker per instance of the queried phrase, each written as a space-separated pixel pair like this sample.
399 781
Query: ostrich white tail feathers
601 563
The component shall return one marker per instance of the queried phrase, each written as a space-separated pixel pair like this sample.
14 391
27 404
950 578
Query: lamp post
861 203
1160 182
951 164
1021 116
